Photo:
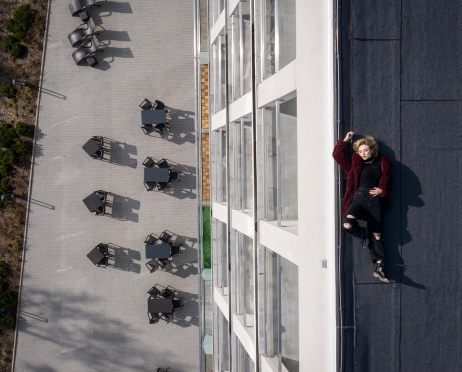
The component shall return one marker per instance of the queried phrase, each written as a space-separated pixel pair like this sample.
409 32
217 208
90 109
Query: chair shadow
118 153
122 208
109 55
188 316
106 9
181 127
124 258
186 186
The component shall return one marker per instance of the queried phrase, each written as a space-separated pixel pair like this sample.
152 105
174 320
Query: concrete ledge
220 212
279 241
281 83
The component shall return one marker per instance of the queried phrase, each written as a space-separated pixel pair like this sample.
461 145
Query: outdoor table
157 251
160 305
90 147
156 174
93 202
95 255
153 117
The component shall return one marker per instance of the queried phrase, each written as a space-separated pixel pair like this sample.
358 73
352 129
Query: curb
30 186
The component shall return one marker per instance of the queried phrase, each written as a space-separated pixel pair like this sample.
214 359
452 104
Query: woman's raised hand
349 136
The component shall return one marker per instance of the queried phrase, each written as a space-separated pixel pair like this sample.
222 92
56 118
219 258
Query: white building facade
271 85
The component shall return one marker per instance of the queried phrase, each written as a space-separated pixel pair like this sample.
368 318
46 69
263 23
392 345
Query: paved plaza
73 315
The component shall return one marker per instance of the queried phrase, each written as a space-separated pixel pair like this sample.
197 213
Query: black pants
369 208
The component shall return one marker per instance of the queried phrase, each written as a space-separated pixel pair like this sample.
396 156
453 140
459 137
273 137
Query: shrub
6 359
6 158
19 147
3 269
7 299
23 129
6 352
18 50
8 135
9 90
9 41
4 185
20 22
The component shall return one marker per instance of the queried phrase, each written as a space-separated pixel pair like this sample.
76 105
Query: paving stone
74 316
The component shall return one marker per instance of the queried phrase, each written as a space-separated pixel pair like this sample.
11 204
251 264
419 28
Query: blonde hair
369 141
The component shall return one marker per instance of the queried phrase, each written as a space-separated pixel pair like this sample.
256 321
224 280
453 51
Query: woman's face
365 152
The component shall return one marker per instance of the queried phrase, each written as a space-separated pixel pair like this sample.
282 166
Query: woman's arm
385 182
341 157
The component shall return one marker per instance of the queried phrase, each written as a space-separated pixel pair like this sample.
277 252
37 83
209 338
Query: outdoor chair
167 317
102 195
154 291
103 262
159 105
175 250
101 211
86 50
146 104
163 164
149 162
153 318
159 128
152 265
162 185
178 304
147 129
165 237
98 154
149 185
167 293
103 248
163 263
174 177
150 239
76 6
80 34
99 140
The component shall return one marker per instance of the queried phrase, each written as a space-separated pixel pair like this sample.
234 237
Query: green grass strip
207 238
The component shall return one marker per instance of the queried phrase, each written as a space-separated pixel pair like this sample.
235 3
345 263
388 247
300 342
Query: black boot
379 272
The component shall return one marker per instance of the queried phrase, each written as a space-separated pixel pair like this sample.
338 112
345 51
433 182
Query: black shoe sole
385 280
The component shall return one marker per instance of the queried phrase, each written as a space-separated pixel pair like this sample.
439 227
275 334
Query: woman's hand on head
349 136
375 192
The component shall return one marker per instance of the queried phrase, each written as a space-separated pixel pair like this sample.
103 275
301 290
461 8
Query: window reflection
278 34
281 311
280 162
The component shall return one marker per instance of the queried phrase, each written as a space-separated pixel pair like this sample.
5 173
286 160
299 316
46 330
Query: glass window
241 360
223 342
245 286
221 248
219 163
218 74
241 50
241 164
215 9
278 34
281 311
269 37
280 162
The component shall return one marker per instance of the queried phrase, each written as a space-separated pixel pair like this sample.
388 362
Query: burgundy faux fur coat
353 165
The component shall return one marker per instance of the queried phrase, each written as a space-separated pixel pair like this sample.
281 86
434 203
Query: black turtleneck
370 174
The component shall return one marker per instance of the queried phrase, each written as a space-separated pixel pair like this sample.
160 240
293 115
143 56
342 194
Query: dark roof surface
406 91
